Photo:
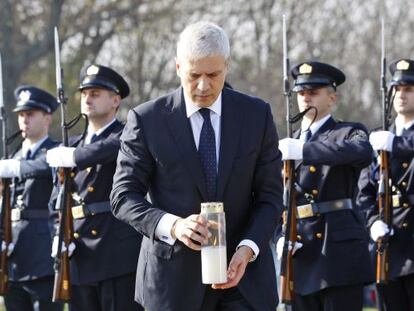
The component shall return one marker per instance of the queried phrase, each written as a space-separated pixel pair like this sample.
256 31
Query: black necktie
94 137
306 135
207 152
28 154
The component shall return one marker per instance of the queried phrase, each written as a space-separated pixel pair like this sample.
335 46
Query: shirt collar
192 108
317 125
101 130
33 147
400 125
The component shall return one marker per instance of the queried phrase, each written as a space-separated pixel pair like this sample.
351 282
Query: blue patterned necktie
306 135
207 152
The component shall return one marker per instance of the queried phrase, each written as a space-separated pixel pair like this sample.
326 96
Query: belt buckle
16 214
77 212
305 211
395 200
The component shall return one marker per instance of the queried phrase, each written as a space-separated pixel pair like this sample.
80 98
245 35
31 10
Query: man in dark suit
201 143
30 264
397 294
332 264
105 252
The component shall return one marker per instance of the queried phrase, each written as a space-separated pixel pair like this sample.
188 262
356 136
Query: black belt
85 210
19 214
313 209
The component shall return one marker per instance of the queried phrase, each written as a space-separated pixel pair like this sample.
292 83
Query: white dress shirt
400 126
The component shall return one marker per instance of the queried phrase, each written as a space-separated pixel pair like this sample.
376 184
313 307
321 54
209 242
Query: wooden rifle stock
385 212
6 235
62 285
289 219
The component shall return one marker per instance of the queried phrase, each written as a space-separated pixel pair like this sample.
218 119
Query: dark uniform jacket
158 154
31 234
335 244
401 244
105 246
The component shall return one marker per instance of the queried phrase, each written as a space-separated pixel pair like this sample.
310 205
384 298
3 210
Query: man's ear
177 67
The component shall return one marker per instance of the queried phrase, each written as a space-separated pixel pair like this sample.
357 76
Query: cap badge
305 69
92 70
24 96
403 65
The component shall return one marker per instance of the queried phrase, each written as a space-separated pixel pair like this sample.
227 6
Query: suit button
404 165
94 232
319 235
76 235
404 184
405 225
299 237
312 169
315 192
405 205
91 189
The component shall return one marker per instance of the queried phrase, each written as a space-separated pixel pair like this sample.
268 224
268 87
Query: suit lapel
180 128
231 122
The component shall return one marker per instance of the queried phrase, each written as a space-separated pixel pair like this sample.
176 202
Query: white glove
10 248
55 245
281 242
381 140
9 168
292 149
379 229
61 157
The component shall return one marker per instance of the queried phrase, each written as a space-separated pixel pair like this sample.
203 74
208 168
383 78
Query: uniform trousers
114 294
224 300
33 295
341 298
396 295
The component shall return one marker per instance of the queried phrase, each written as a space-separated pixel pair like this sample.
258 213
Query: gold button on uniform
299 237
405 225
319 235
91 189
72 174
88 169
94 232
312 169
405 205
315 191
76 235
404 165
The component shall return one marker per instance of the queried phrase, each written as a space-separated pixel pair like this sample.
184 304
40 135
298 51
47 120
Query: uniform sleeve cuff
253 246
163 229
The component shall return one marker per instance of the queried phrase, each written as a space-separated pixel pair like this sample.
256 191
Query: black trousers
35 295
341 298
396 295
113 294
224 300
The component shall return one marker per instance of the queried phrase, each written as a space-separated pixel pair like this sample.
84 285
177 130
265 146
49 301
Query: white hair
202 39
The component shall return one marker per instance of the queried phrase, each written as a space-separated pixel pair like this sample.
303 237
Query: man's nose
203 84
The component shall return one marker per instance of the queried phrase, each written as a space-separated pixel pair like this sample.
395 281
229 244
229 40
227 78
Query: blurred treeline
137 38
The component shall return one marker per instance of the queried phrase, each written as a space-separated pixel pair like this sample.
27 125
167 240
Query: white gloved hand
280 243
381 140
61 157
55 245
292 149
379 229
9 168
10 248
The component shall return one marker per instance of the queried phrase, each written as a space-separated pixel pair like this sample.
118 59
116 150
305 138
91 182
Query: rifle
62 286
289 196
5 204
384 182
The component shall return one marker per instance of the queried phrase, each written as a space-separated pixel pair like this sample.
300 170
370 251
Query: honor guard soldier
397 293
331 261
30 264
103 261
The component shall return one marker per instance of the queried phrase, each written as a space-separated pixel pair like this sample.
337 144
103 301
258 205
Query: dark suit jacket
335 244
158 155
105 246
31 256
401 244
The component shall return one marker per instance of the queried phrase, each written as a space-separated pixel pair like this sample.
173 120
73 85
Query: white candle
214 264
